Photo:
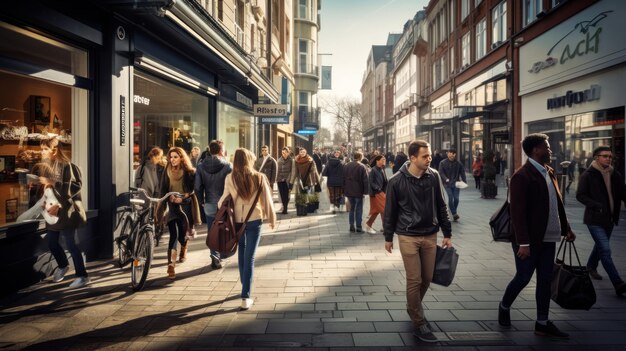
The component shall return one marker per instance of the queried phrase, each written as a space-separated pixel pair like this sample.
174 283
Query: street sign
270 110
274 120
309 132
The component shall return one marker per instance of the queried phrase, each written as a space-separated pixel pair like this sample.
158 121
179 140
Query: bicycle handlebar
154 199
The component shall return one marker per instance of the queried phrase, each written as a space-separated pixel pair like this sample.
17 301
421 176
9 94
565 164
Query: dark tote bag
445 266
572 288
500 223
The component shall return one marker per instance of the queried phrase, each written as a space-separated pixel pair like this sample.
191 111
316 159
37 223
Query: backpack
224 234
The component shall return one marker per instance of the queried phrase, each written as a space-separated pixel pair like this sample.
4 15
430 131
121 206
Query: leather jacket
415 206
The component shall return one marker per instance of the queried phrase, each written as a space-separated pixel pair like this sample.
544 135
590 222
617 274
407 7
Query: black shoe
352 229
284 211
549 330
216 263
359 230
593 273
504 316
424 334
456 217
620 289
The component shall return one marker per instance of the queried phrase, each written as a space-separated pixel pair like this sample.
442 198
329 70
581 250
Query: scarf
302 164
176 179
606 175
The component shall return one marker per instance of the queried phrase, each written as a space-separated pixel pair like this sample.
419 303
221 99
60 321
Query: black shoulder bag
500 222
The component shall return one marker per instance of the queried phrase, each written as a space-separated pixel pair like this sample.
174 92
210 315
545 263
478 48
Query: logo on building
587 42
574 97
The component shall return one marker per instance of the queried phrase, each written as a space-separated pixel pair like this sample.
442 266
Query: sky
349 28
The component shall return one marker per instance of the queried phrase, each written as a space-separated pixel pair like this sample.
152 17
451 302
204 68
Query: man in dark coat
601 189
355 186
317 158
538 222
437 158
451 170
400 160
266 164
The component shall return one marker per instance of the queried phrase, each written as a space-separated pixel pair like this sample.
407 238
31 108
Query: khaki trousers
418 255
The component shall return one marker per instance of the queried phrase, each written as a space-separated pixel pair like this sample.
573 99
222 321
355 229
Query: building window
465 50
464 9
452 64
220 10
531 9
499 30
481 38
452 15
236 128
304 56
305 9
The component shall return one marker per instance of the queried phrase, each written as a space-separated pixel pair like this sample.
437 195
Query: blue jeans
541 259
356 209
247 250
453 199
209 222
602 252
59 254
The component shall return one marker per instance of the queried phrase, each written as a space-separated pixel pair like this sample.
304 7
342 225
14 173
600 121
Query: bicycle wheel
143 258
123 251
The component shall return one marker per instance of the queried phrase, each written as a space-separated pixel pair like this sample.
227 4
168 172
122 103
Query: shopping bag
460 184
445 266
500 223
571 287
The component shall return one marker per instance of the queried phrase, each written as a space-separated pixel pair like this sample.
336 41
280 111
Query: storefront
576 94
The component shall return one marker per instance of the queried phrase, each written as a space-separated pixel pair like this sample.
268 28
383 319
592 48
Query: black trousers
283 189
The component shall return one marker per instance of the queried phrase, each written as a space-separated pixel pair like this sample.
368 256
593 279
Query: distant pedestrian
317 158
377 187
243 184
437 158
451 171
194 156
400 160
181 213
601 189
306 170
266 164
415 209
538 222
477 170
355 186
150 171
334 173
286 177
209 186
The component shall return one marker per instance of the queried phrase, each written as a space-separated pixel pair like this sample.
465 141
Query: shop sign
574 97
243 99
274 120
138 99
122 120
270 110
307 132
501 137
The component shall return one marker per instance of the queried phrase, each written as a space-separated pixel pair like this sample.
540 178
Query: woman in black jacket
334 173
377 187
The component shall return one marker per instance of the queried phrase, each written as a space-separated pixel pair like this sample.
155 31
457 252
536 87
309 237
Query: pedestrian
266 164
437 158
243 184
334 173
377 187
355 186
477 170
538 222
181 213
451 170
306 171
65 180
317 158
415 210
150 171
601 189
209 186
286 177
194 156
400 160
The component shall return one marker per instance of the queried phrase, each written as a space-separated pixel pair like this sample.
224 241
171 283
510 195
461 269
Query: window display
235 128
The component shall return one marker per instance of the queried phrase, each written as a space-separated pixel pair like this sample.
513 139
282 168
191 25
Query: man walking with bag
355 186
601 189
415 209
451 170
538 221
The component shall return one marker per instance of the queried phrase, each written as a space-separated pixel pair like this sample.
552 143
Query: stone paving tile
368 316
377 339
334 340
294 327
348 327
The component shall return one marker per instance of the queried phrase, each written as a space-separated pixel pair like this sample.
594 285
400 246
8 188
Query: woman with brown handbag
242 184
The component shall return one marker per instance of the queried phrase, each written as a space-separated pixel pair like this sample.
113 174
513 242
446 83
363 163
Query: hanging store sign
243 99
270 110
274 120
574 97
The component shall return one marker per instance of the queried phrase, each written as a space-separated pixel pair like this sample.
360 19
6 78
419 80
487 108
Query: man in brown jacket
538 221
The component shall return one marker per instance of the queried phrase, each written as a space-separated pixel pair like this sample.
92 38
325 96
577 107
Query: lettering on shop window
138 99
588 43
574 97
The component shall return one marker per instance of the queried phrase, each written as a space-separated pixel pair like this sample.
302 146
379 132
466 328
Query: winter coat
318 162
592 192
188 211
264 208
355 182
307 171
147 177
334 172
415 206
269 169
451 172
400 160
286 170
209 182
66 189
377 181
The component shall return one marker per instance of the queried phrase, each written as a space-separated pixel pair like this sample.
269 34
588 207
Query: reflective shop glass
235 127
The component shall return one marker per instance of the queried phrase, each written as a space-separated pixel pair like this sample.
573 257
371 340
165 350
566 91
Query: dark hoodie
209 182
334 172
415 206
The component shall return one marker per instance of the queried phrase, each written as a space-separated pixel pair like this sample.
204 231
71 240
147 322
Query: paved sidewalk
316 285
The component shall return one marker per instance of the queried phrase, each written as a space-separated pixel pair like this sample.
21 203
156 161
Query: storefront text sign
574 97
122 120
274 120
270 110
138 99
243 99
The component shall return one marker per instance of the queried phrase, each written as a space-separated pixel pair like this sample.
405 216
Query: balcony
312 70
307 119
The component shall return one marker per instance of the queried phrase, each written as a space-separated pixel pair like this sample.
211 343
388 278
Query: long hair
57 152
184 158
245 177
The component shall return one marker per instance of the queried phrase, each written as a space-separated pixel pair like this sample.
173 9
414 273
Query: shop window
35 106
166 115
235 128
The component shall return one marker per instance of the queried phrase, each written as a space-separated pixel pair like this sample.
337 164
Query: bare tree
348 116
322 137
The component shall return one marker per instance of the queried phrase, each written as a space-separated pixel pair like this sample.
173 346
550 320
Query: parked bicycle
136 239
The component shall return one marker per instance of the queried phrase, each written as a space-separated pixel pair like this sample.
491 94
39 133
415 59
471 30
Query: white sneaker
370 230
80 282
60 274
246 304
